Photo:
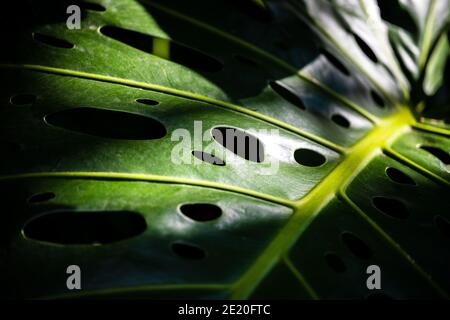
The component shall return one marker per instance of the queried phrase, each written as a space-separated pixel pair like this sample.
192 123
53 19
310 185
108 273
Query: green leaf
434 75
93 122
422 46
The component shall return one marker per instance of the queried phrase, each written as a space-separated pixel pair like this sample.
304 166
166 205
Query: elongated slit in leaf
85 227
108 124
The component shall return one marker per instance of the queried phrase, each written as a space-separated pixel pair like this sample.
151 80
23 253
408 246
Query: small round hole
201 211
335 262
147 102
391 207
309 158
41 197
23 99
356 246
188 251
340 120
398 176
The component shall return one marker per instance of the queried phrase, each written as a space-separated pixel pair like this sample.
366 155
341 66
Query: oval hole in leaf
335 62
52 41
240 143
23 99
209 158
438 153
377 99
41 197
356 246
91 6
398 176
309 158
335 262
90 227
147 102
365 48
340 120
188 251
178 53
201 211
443 225
391 207
108 124
287 94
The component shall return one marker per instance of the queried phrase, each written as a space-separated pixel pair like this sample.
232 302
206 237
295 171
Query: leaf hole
41 197
240 143
107 124
23 99
398 176
335 262
377 99
287 94
365 48
309 158
147 102
188 251
52 41
176 52
356 246
208 158
334 61
443 156
85 227
201 211
391 207
340 120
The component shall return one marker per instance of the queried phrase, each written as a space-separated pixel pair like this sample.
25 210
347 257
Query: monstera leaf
111 159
